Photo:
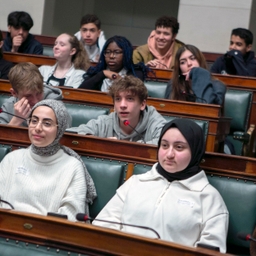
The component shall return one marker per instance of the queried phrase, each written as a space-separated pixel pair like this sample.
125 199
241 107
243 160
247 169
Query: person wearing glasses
27 89
115 62
46 176
72 62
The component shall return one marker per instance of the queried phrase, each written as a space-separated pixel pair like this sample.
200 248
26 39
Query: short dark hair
90 18
244 33
168 22
20 19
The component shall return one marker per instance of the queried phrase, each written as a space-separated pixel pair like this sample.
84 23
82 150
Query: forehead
173 135
89 26
62 38
164 29
114 46
186 54
44 112
27 93
237 39
125 94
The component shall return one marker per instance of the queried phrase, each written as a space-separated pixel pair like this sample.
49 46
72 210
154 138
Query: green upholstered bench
10 247
238 195
238 105
81 114
4 150
202 123
156 89
107 175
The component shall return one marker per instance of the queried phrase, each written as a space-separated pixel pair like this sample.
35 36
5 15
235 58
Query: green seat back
107 176
202 123
47 51
156 89
4 150
3 98
10 247
239 198
238 106
81 114
140 168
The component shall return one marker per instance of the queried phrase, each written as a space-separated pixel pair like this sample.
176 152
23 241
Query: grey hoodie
50 92
149 126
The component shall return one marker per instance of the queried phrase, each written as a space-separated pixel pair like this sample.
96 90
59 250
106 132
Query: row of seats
238 194
237 105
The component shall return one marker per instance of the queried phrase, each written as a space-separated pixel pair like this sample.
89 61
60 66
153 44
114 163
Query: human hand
113 138
152 63
110 74
16 43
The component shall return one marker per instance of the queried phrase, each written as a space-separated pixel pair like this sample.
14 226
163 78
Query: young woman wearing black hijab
174 197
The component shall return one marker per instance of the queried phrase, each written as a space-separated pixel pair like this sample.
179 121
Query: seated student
239 60
115 61
162 45
27 89
132 120
18 37
5 65
46 177
174 198
91 36
191 81
72 61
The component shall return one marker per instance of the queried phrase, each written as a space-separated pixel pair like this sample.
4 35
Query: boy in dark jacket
239 60
18 38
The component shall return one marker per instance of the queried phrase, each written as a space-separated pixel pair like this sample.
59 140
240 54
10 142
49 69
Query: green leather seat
81 114
238 105
107 175
239 198
202 123
4 150
156 89
10 247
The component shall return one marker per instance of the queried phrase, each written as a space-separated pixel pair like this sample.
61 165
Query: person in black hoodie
5 65
18 38
239 60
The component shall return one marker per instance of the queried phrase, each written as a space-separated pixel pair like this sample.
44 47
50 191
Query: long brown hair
178 82
80 59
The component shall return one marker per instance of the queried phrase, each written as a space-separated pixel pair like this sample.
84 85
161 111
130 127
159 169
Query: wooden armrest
249 146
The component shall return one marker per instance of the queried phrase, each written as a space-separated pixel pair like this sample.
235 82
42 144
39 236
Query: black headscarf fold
194 135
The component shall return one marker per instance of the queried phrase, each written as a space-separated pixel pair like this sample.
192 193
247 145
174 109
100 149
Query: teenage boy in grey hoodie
132 119
27 89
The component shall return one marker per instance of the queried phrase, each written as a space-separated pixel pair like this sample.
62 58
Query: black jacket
29 46
205 89
5 67
234 63
94 82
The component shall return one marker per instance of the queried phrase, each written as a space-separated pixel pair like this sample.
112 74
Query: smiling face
128 107
62 48
40 135
89 34
174 154
114 57
238 43
164 38
187 61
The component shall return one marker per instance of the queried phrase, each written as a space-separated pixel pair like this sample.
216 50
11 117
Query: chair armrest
249 144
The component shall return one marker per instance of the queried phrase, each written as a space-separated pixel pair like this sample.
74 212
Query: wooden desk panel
218 126
86 238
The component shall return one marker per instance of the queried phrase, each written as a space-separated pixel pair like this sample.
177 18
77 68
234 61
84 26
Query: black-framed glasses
46 123
109 53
